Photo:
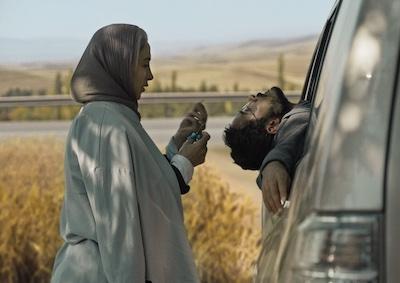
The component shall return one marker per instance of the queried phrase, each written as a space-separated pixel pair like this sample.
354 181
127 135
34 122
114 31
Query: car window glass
318 56
334 60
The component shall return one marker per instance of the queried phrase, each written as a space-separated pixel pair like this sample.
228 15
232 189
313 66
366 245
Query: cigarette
286 204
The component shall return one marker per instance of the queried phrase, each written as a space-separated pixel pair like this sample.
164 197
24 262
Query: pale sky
52 30
165 20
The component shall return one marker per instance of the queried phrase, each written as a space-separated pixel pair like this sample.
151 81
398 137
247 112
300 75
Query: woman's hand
195 151
194 121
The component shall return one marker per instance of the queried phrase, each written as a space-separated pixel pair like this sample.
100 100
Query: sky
164 20
167 22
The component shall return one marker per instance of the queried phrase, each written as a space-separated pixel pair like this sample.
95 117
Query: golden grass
219 223
221 229
30 79
252 67
249 75
31 182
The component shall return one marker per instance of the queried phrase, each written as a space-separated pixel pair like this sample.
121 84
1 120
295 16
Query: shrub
221 229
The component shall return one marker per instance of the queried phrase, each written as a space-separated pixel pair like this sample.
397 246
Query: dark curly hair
251 143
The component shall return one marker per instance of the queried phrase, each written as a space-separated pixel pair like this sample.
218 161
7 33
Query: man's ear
272 126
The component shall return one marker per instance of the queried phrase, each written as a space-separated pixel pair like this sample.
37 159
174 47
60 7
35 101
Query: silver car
343 221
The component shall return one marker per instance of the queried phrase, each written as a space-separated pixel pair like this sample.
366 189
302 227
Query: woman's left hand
195 151
194 121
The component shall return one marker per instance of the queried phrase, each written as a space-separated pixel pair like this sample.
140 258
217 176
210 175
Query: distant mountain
64 50
252 49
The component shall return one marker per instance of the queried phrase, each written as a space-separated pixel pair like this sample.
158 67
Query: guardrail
147 98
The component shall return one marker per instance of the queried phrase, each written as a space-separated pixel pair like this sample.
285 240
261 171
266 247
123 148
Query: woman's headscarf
106 69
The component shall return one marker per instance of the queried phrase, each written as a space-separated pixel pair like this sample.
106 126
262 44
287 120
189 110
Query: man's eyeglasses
246 109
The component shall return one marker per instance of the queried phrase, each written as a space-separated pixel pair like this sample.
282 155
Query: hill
250 65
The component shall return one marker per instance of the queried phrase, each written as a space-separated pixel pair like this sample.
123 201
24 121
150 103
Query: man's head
251 133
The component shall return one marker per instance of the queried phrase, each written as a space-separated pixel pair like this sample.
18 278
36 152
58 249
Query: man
268 134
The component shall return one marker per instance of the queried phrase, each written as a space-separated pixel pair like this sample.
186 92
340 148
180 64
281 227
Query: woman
122 216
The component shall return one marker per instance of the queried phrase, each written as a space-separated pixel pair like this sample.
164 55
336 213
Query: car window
340 39
352 105
318 56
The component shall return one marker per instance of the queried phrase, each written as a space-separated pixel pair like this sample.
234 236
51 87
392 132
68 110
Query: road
160 130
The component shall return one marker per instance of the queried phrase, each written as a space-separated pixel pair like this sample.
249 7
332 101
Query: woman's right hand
194 121
195 151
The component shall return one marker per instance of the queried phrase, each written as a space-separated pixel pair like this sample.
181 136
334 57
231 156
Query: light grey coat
122 218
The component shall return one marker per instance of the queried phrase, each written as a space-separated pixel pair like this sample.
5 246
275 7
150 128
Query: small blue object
194 136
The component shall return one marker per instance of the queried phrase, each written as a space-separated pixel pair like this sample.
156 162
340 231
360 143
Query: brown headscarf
106 69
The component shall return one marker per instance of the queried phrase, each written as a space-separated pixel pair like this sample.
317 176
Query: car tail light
338 249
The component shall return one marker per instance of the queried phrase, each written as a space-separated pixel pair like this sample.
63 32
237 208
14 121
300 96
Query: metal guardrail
147 98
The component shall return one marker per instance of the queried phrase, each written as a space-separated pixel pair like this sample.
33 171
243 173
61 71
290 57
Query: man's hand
275 186
195 151
194 121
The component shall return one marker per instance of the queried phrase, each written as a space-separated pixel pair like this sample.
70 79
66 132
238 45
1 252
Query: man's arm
279 165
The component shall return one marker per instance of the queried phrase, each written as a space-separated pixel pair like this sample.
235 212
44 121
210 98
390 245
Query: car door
333 227
335 224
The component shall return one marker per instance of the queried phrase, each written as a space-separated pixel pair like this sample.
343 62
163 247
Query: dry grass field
30 78
250 66
222 224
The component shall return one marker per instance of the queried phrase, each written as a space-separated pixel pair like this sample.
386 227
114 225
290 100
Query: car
343 221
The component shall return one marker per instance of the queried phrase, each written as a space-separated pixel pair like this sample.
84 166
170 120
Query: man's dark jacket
288 142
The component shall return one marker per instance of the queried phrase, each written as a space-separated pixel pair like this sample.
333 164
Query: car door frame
314 71
392 189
